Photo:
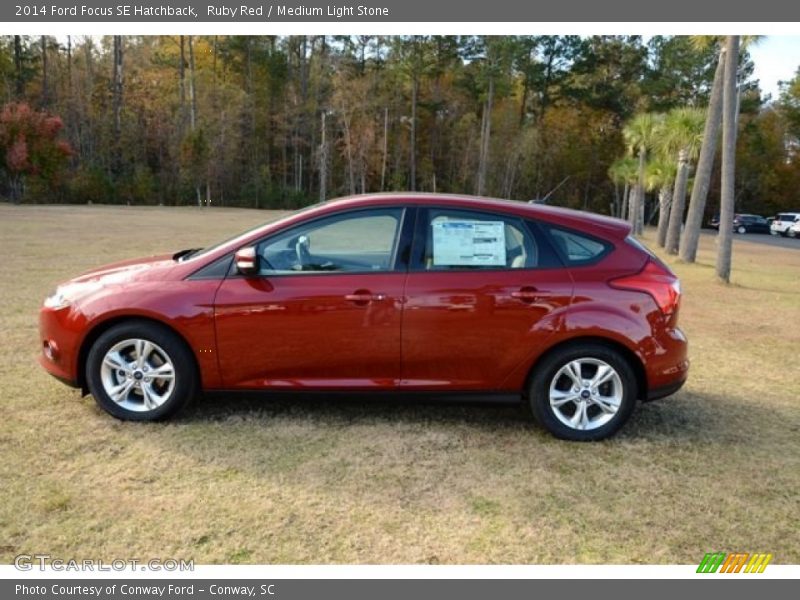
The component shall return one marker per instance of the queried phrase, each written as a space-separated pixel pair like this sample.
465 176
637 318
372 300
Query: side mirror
246 261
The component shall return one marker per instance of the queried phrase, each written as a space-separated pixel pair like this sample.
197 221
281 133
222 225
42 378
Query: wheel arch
101 327
633 359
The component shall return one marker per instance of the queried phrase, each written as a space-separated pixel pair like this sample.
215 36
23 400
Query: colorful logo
734 562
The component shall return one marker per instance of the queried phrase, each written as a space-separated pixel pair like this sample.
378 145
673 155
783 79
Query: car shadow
686 417
340 409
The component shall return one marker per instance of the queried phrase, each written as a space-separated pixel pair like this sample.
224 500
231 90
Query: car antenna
548 194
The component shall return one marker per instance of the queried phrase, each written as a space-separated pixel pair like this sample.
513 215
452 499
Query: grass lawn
259 480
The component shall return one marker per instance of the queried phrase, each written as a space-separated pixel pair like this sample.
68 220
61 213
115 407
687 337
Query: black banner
235 11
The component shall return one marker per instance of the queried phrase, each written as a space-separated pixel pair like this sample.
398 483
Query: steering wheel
301 250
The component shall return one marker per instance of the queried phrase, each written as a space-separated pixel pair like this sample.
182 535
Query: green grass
257 480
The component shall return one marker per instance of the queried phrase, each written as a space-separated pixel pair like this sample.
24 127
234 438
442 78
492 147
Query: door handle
362 297
527 294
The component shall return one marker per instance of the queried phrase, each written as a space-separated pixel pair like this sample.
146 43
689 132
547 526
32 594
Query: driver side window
361 241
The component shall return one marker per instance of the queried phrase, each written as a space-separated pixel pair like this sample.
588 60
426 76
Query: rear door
482 291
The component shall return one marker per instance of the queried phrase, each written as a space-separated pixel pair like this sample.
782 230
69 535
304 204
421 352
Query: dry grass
257 480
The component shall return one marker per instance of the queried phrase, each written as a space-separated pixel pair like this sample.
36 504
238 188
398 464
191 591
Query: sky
775 58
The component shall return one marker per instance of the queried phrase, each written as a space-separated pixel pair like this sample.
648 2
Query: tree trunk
117 104
182 83
19 79
69 69
413 149
192 89
70 96
486 133
664 202
623 212
725 236
637 197
193 108
385 146
702 178
678 200
323 161
348 146
45 82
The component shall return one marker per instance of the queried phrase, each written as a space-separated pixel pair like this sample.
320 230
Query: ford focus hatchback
561 309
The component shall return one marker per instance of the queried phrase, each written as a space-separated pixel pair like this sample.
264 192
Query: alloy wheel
138 375
586 393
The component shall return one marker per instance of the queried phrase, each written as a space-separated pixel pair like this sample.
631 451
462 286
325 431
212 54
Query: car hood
138 269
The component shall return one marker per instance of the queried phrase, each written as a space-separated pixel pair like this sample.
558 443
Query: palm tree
729 112
702 181
623 171
661 176
639 134
681 135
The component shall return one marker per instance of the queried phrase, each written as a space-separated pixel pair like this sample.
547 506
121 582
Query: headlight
57 300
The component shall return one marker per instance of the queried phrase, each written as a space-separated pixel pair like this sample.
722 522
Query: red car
410 292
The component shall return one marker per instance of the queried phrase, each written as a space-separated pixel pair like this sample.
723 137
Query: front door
325 309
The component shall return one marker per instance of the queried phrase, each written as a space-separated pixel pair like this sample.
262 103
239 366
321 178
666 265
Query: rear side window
575 248
461 239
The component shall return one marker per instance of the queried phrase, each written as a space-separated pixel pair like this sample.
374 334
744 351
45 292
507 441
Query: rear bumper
664 391
668 367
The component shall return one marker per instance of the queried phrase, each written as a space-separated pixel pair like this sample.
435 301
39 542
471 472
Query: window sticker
469 243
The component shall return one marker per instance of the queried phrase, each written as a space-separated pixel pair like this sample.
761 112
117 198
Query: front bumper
59 342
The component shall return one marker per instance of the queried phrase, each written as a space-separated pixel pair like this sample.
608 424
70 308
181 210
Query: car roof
553 214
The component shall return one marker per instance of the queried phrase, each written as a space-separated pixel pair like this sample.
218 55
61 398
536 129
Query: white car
785 224
794 230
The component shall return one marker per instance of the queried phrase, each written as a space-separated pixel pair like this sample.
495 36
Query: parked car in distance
743 223
560 309
782 225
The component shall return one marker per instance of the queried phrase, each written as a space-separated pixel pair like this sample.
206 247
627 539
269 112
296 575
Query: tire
152 389
551 376
791 233
742 229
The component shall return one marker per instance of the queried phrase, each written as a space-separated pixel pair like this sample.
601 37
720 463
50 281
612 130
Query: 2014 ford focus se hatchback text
405 292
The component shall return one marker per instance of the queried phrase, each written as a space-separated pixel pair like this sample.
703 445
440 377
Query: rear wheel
140 371
583 393
742 229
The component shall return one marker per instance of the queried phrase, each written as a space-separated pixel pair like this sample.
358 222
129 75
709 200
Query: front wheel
791 233
140 371
742 229
583 393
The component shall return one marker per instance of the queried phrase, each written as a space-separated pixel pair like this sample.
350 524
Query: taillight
656 280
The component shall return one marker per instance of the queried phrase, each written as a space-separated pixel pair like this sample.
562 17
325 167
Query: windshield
201 252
